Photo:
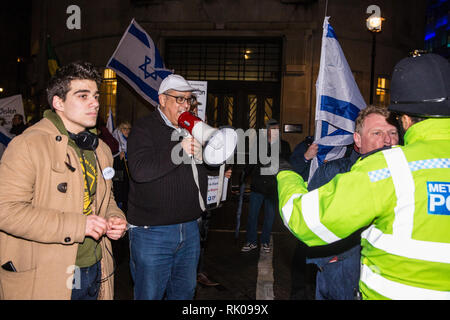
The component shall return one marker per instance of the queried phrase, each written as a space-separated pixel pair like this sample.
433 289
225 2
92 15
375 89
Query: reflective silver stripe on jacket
311 215
398 291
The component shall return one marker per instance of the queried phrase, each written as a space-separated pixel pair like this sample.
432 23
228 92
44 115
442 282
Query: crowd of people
374 223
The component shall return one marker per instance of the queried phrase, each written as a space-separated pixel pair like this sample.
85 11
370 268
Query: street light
373 24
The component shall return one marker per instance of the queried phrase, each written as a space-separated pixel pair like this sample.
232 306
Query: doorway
242 104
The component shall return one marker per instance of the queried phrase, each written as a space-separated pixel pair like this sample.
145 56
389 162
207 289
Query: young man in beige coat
57 210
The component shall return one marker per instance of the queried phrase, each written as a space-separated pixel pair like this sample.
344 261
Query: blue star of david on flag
143 67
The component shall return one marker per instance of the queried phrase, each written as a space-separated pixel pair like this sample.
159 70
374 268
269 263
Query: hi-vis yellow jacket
403 194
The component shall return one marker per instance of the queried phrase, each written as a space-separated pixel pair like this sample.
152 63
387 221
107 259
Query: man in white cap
164 200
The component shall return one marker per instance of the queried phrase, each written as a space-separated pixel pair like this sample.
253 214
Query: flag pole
326 7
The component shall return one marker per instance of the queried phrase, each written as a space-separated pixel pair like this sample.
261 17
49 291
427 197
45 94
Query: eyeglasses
180 100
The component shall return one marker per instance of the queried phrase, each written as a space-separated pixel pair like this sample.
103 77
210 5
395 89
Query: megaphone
219 144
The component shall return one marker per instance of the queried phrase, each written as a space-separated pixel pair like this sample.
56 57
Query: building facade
437 28
260 57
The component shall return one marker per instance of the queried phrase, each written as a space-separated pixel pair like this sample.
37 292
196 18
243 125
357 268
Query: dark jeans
87 282
270 207
339 280
163 261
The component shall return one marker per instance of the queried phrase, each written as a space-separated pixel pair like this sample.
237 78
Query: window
382 94
243 74
225 59
108 94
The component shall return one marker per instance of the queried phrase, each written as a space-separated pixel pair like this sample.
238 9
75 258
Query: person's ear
162 100
406 122
357 139
58 103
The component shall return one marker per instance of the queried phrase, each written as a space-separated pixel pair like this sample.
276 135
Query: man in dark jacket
264 190
18 126
164 199
339 263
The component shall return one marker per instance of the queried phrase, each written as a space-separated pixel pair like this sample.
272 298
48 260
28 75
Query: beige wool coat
41 214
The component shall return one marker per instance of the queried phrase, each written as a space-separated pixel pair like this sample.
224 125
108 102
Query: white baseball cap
175 82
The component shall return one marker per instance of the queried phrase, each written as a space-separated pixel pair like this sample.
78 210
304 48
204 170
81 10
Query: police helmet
420 86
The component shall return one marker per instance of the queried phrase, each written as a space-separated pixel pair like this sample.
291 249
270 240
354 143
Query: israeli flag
110 121
137 60
338 101
5 136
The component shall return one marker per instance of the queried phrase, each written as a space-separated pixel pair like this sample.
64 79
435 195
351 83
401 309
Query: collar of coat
56 120
60 153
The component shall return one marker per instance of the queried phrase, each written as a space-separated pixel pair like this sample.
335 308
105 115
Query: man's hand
116 228
311 152
192 147
95 226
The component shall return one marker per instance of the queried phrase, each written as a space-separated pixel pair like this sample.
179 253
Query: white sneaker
266 247
249 247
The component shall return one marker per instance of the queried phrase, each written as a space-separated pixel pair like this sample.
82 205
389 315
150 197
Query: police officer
402 194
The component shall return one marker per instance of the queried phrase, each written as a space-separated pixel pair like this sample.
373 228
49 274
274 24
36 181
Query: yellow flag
52 59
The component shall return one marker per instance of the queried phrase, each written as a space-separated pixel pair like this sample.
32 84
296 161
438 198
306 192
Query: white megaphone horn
219 144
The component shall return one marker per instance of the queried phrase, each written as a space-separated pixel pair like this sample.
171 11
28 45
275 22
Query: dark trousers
203 226
339 280
86 282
